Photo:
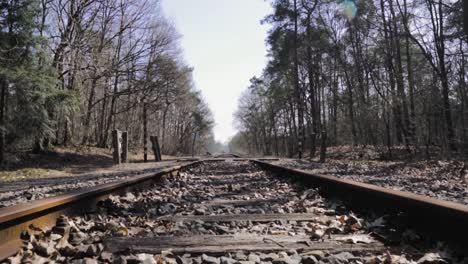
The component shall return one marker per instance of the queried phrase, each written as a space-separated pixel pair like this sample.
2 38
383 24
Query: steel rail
442 219
44 213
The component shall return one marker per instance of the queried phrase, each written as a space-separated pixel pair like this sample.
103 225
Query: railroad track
42 214
225 211
25 190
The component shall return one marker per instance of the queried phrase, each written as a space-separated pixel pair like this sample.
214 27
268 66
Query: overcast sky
225 43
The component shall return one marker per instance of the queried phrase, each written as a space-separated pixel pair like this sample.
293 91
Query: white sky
225 43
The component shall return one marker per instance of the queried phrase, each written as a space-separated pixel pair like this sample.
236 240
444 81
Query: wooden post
155 147
116 146
158 148
145 134
124 147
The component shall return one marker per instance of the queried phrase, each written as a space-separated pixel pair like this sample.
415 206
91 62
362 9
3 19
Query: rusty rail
443 219
43 213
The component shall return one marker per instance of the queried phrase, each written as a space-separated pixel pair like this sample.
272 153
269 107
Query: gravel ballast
445 180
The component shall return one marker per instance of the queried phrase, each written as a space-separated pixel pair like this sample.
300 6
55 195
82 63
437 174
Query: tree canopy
366 72
71 71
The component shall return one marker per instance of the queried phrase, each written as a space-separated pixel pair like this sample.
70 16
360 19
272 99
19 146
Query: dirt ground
62 162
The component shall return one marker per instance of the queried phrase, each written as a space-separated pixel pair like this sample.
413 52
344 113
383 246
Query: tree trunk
462 87
444 80
89 109
145 132
300 112
401 97
2 120
163 139
193 144
115 62
351 109
409 68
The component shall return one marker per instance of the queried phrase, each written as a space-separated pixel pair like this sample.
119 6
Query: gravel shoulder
25 190
445 180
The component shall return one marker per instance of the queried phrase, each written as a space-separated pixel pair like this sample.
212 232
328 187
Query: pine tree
26 86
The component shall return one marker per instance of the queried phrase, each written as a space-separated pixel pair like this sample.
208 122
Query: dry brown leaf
366 239
122 231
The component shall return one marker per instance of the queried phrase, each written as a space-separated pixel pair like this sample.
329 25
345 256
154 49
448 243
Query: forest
390 74
384 73
71 71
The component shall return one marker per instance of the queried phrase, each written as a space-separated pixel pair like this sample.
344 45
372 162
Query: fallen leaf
122 231
431 258
366 239
379 222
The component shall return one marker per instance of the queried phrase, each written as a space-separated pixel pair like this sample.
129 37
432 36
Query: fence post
116 146
145 133
124 147
159 149
155 147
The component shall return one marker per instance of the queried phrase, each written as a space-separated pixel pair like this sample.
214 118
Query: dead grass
68 162
21 174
